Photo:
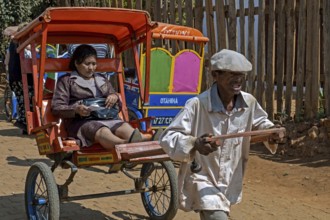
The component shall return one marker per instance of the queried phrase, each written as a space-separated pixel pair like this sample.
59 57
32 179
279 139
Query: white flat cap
229 60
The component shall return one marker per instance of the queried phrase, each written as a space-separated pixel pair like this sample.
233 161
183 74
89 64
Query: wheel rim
37 197
159 198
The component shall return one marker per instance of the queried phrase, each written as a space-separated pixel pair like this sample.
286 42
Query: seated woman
84 83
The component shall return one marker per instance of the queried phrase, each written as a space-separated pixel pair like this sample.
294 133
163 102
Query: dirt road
273 189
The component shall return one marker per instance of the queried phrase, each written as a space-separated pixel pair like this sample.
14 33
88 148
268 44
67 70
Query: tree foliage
14 12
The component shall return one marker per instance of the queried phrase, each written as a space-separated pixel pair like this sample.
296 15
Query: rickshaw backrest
62 65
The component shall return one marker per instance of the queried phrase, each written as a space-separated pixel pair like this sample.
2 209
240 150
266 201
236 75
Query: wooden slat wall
289 55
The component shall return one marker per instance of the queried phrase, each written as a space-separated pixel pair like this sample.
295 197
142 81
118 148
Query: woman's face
87 68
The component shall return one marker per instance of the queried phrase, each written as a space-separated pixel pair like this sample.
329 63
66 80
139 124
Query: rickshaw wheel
161 203
41 193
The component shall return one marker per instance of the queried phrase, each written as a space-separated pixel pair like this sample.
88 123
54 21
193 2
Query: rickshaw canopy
66 25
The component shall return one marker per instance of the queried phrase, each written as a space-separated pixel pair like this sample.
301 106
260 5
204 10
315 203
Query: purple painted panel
186 72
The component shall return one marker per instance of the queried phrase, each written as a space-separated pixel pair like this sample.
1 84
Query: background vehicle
176 70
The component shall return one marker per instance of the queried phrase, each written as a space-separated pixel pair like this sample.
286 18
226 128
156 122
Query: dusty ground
282 186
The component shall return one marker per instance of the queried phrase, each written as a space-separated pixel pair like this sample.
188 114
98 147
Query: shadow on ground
13 207
319 160
12 160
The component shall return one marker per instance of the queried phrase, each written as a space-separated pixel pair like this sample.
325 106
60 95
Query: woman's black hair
80 54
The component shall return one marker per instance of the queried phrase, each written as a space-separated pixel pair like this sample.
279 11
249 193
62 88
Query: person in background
15 81
222 109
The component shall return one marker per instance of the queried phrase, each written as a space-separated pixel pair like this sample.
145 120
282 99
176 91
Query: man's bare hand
276 138
203 146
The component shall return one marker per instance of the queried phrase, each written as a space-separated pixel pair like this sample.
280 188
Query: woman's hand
82 110
111 100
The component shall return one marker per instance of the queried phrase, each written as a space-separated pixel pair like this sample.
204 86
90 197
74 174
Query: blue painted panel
163 117
171 100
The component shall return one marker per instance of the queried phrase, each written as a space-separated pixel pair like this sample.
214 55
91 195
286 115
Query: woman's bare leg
124 131
107 139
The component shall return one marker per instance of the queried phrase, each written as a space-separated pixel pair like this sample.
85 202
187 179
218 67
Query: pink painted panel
186 72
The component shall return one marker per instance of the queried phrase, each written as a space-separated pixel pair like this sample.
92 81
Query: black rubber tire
8 105
41 193
162 204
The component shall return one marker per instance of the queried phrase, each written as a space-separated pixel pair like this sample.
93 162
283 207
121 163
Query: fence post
251 49
280 49
270 60
312 60
290 54
301 52
326 34
260 95
232 34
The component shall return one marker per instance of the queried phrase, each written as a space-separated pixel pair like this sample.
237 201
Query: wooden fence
286 41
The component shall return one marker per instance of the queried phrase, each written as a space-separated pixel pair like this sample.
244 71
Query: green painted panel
160 72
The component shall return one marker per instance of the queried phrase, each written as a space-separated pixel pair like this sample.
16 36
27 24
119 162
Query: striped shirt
102 50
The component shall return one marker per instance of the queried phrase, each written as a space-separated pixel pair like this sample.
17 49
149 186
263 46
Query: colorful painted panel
160 71
91 159
44 146
186 72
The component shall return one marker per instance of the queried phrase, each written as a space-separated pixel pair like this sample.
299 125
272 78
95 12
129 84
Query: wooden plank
138 4
210 28
242 26
199 15
315 86
270 60
172 17
280 54
114 3
290 54
261 64
221 25
232 26
180 14
189 18
148 6
301 50
164 11
129 4
120 4
157 12
312 60
251 49
308 76
326 43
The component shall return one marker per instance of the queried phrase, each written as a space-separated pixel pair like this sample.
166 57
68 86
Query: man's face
229 82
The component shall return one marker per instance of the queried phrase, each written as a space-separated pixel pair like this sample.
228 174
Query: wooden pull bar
256 136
